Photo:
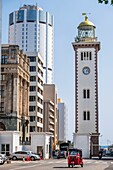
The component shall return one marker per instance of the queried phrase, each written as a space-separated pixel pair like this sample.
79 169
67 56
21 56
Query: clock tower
86 49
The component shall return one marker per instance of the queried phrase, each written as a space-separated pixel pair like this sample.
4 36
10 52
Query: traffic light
106 1
100 1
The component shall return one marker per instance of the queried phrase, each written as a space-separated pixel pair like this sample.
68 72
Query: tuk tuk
75 157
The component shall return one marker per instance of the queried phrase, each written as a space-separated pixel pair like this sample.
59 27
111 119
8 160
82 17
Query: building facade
0 38
63 121
36 92
14 88
32 24
50 111
86 49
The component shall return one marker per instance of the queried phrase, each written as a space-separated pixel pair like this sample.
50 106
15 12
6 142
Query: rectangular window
32 88
32 68
81 55
84 93
32 108
90 56
84 55
32 128
88 115
2 107
32 98
31 15
5 149
84 115
88 93
32 58
32 78
32 118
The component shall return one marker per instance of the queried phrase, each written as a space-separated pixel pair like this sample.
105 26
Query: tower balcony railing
85 39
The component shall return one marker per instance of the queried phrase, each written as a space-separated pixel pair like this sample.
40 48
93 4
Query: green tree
106 1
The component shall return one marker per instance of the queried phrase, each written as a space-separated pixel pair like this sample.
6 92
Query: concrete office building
51 112
63 120
32 29
14 89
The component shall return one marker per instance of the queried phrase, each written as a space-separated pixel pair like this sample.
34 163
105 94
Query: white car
1 161
25 155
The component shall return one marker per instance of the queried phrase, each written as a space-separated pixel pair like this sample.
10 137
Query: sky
67 16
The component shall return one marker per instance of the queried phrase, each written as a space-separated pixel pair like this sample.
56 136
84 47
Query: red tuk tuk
75 157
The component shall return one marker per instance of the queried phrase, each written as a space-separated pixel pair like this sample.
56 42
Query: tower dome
86 31
86 22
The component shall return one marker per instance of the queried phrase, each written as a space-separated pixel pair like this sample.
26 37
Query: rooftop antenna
86 15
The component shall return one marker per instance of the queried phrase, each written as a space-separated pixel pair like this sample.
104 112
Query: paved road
58 164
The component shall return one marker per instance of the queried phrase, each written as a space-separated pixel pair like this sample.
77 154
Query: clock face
86 70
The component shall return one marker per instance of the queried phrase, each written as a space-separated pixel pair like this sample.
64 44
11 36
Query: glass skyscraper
32 29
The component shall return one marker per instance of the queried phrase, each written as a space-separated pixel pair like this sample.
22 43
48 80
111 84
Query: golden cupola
86 31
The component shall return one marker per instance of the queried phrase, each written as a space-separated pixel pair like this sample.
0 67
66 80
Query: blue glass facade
31 15
42 16
20 16
11 19
50 21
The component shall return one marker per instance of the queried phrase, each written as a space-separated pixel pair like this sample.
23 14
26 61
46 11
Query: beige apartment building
14 89
50 122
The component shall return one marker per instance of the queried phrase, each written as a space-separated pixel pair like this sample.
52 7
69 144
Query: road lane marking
23 167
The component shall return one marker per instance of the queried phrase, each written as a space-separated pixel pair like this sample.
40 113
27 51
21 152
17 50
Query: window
2 107
32 118
81 55
31 108
2 77
86 55
2 90
86 115
32 68
32 128
31 15
32 58
32 98
4 59
86 93
90 56
32 78
5 149
32 88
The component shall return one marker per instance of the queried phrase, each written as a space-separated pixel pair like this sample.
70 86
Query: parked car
3 158
25 155
61 154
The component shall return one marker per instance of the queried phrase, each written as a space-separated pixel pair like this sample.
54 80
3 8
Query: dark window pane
20 16
84 115
31 15
11 19
84 93
88 93
3 147
88 115
32 78
81 55
90 56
